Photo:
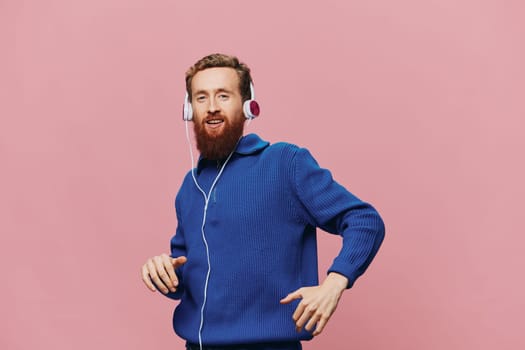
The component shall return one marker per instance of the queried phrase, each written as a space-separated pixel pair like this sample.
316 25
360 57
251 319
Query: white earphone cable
206 201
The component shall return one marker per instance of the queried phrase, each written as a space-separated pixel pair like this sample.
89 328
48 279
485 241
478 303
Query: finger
179 261
299 310
163 273
312 322
320 325
152 271
291 297
168 266
146 279
304 317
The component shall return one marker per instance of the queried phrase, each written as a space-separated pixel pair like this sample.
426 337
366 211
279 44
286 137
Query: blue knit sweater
261 231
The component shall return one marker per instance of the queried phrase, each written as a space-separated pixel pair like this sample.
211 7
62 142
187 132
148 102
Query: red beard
216 147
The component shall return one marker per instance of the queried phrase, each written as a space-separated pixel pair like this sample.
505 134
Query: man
243 260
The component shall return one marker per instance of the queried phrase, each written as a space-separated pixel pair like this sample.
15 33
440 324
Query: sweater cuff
351 277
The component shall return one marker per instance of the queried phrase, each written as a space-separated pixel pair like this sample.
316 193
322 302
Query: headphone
250 107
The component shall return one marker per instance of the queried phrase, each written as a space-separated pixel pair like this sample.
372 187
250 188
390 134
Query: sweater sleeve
329 206
178 248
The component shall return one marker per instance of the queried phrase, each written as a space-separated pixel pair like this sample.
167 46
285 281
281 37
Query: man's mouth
214 123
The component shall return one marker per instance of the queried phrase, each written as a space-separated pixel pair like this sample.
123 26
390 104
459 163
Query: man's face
217 111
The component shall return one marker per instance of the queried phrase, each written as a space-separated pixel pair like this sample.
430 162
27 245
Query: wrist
337 280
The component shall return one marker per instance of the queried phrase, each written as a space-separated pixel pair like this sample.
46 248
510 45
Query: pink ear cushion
254 108
251 109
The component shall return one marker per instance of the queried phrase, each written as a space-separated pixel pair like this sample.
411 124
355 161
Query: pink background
416 106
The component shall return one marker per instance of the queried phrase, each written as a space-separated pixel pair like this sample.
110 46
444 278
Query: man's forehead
215 78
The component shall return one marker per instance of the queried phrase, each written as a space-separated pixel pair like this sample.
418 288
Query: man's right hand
159 273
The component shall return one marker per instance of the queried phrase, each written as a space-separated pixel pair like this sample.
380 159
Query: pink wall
416 106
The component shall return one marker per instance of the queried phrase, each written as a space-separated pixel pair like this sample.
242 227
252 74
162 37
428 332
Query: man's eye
223 97
200 98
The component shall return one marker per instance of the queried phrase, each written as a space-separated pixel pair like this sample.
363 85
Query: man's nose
213 106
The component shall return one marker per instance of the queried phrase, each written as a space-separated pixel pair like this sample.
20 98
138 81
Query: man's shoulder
253 144
284 145
288 149
281 150
256 141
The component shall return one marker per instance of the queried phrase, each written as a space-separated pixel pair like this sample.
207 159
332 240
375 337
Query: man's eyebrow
204 92
224 90
200 92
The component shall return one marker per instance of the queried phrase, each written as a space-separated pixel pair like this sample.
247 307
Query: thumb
291 297
178 261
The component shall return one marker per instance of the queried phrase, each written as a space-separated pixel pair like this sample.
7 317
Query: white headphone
250 107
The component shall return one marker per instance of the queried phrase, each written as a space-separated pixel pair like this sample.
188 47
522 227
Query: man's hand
159 271
318 303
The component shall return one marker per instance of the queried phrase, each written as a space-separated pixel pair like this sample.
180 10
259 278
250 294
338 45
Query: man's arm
334 209
163 272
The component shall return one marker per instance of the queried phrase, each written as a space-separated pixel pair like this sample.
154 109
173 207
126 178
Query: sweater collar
249 144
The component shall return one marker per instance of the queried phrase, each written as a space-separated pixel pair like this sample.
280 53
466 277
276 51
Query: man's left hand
318 303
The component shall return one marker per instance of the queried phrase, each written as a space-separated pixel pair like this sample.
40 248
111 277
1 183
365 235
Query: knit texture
261 230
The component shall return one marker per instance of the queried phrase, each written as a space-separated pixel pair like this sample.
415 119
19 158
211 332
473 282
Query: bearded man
243 261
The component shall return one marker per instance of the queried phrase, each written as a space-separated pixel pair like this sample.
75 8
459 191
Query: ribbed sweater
260 229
